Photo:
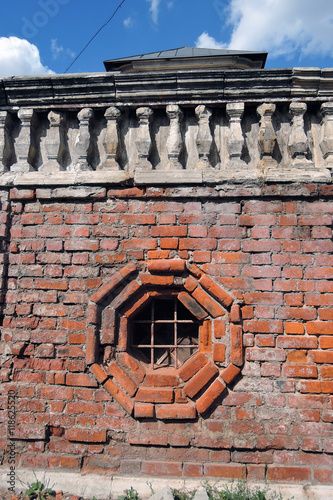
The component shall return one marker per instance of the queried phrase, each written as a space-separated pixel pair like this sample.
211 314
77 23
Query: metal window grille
165 333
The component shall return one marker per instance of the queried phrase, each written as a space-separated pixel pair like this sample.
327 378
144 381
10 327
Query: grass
235 490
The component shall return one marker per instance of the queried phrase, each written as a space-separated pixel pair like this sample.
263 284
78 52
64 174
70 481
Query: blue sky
40 36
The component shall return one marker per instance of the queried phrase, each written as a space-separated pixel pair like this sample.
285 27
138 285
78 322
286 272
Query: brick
327 372
152 395
326 314
50 284
200 379
81 245
192 469
162 468
49 310
22 194
58 393
190 284
138 244
150 439
205 337
127 293
119 396
201 256
210 396
230 373
157 379
235 314
154 280
169 243
319 327
176 411
86 436
317 387
30 432
192 366
168 231
296 474
292 342
237 355
92 314
300 371
81 380
85 408
192 305
166 266
262 271
298 356
143 410
208 303
252 457
323 475
135 305
104 290
322 356
226 471
92 345
45 351
264 354
264 298
197 244
122 378
216 291
132 366
219 328
255 326
294 328
218 353
99 373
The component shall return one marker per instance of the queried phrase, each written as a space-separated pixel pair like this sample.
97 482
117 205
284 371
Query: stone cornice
185 87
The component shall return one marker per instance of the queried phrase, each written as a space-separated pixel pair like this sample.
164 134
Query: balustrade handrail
237 141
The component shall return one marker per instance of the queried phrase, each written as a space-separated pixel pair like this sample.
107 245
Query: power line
97 32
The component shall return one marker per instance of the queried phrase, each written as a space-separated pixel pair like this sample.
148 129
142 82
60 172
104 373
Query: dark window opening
165 333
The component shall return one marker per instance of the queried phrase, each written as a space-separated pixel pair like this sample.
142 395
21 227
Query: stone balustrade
235 141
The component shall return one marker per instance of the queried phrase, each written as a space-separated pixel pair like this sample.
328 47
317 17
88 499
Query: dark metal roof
186 53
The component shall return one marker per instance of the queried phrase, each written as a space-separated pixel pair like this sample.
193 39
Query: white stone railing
235 142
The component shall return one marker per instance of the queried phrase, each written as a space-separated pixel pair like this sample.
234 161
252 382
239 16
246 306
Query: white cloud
282 27
206 41
58 50
20 57
128 22
154 6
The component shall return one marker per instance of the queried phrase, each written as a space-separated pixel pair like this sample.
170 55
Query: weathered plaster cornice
214 86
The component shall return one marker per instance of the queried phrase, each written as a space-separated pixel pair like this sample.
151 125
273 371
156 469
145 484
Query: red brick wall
273 253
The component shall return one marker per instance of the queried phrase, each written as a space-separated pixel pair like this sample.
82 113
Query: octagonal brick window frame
178 392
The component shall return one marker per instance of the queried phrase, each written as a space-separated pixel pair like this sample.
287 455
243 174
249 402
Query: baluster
297 143
143 142
54 144
235 144
24 146
174 143
111 141
267 136
326 144
82 142
204 136
4 116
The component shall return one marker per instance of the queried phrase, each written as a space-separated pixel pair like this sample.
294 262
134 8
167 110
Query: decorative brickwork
126 294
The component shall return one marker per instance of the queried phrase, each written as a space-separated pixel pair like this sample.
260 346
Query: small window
165 333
